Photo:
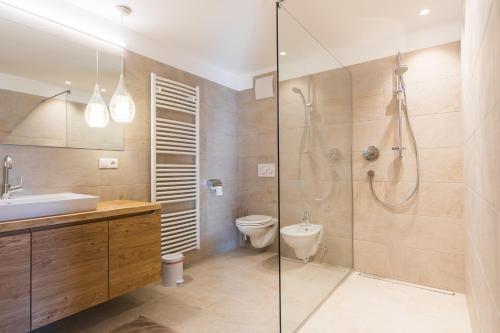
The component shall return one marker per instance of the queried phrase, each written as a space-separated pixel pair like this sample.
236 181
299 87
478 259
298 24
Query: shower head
401 69
298 91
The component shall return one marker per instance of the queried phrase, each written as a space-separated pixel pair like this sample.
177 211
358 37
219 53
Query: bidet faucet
8 189
307 218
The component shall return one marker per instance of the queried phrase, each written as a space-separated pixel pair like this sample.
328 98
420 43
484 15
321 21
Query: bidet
303 238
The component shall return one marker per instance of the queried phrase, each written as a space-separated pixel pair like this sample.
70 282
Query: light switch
266 170
108 163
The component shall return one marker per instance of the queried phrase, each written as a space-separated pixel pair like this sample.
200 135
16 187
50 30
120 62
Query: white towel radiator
175 162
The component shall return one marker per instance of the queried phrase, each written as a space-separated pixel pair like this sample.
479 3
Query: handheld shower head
401 69
299 91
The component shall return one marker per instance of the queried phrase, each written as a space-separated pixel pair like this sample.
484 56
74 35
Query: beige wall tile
333 111
338 251
436 165
373 77
306 167
257 121
433 63
431 268
370 108
422 232
429 230
484 240
433 199
444 164
372 258
481 95
253 145
51 170
257 143
439 130
423 99
313 181
379 133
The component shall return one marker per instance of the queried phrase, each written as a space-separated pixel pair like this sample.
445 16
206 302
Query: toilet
260 228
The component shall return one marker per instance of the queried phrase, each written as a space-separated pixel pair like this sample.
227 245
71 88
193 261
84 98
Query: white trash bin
172 270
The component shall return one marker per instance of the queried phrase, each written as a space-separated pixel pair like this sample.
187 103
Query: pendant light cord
97 66
122 35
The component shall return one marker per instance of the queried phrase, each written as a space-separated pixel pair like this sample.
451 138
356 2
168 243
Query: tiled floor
366 305
304 287
236 292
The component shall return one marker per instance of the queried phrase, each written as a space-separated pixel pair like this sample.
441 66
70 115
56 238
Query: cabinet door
134 252
69 271
15 284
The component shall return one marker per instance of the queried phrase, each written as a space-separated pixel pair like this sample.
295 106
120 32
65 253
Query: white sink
46 205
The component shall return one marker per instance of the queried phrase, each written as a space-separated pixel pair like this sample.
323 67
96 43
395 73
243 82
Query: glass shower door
315 139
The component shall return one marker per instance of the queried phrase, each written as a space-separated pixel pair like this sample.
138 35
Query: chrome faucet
8 189
306 219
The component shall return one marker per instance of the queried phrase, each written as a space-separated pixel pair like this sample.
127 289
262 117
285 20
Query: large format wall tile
50 170
422 241
311 179
480 102
257 144
436 165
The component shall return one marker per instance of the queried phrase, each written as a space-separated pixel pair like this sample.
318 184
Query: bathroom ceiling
234 39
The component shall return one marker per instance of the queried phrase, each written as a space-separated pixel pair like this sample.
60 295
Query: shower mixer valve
399 148
371 153
400 151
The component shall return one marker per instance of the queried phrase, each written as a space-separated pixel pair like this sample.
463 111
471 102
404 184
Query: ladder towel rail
175 183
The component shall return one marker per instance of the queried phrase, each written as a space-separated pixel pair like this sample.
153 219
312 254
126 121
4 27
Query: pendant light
96 112
122 106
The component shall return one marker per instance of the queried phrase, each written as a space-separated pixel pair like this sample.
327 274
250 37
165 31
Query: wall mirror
45 84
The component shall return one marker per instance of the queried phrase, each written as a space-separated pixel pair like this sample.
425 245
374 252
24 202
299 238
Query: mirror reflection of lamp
122 106
96 112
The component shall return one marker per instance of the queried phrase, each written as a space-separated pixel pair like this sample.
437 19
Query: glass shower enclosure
315 180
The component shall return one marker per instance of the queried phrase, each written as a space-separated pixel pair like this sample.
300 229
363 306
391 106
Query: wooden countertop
105 209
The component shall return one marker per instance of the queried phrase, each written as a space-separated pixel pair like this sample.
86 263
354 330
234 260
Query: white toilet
303 238
260 228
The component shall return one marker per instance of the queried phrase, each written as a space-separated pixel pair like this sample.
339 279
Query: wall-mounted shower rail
174 184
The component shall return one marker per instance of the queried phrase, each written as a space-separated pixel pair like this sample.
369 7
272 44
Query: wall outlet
108 163
266 170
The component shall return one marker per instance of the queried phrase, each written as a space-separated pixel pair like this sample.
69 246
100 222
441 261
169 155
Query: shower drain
440 291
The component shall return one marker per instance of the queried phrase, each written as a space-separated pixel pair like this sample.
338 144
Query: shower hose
371 173
304 150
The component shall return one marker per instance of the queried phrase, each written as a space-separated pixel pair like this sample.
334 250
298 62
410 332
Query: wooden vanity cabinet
53 267
69 271
134 252
15 283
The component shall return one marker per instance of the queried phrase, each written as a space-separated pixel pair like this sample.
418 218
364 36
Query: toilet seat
255 221
261 229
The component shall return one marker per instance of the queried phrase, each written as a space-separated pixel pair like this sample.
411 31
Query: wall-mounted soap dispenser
215 185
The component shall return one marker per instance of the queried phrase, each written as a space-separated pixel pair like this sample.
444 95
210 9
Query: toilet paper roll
218 190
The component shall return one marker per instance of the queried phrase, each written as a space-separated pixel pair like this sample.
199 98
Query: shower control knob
371 153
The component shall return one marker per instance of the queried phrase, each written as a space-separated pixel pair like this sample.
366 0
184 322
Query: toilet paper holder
215 185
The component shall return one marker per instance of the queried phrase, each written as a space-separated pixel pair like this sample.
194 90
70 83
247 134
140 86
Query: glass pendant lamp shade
96 112
122 106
